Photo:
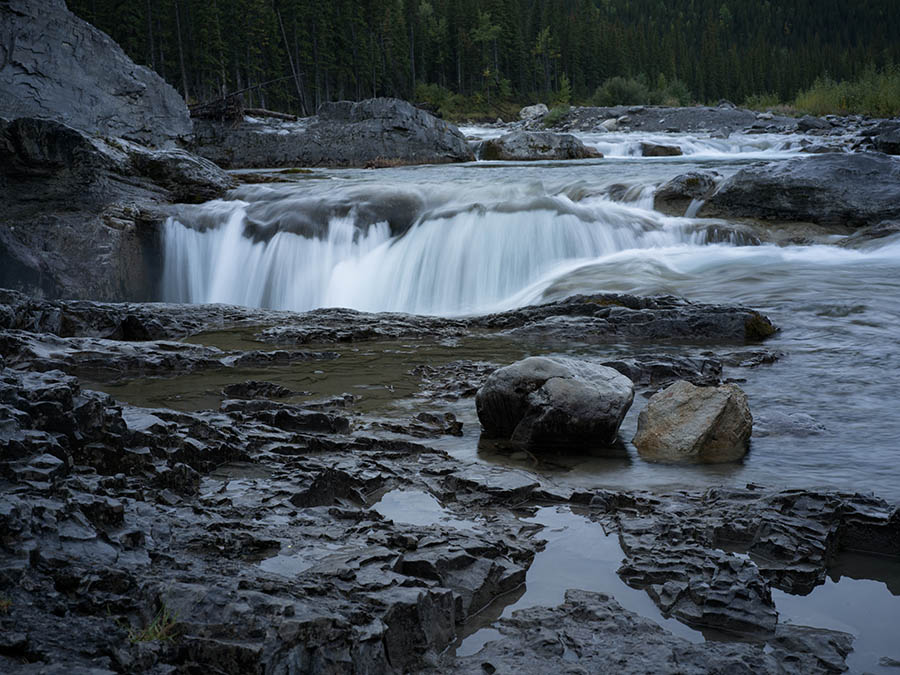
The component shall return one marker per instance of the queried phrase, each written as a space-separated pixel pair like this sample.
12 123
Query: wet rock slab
250 536
591 632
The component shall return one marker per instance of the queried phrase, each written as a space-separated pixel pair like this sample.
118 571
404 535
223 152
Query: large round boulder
547 403
689 424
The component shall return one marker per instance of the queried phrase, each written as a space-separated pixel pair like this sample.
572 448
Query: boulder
541 402
536 145
612 124
533 111
56 66
675 196
834 189
688 424
371 133
886 138
81 214
659 150
810 123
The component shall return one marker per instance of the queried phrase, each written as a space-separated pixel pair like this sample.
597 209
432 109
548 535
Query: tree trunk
184 82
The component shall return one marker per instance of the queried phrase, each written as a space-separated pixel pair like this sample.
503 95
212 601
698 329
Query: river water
487 236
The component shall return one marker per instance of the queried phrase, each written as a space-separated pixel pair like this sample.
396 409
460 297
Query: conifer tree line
305 52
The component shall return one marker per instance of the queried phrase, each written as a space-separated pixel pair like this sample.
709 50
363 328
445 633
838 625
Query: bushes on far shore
875 93
637 91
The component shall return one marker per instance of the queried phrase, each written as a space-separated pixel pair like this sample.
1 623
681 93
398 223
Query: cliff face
55 66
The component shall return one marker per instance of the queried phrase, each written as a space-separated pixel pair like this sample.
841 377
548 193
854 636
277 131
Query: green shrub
556 115
762 102
636 90
875 93
621 91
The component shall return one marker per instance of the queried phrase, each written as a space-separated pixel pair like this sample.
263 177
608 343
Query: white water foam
467 261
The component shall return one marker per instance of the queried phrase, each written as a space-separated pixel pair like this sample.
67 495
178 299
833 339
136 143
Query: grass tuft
163 628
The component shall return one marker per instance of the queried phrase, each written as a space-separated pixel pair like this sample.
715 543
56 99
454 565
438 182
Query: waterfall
463 260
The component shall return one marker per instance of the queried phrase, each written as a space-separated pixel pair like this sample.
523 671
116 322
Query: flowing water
486 236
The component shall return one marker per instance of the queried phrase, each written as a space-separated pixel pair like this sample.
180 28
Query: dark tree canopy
311 51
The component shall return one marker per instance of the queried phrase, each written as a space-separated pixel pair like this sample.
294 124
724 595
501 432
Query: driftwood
262 112
227 109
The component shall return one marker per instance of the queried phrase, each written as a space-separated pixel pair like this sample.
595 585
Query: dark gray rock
541 403
535 146
82 212
675 196
376 132
809 123
869 236
886 137
659 150
53 65
851 190
592 633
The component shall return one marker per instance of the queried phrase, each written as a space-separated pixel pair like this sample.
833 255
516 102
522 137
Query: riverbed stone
676 195
540 402
685 423
660 150
836 189
536 145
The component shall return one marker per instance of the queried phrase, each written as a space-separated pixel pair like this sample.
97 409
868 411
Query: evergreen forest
292 55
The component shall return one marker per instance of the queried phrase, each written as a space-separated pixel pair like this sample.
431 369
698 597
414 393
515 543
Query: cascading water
467 259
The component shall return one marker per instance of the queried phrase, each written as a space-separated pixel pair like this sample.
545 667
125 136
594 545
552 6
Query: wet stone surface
270 532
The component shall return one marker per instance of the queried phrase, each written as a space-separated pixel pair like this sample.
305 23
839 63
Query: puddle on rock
861 596
414 507
293 560
578 554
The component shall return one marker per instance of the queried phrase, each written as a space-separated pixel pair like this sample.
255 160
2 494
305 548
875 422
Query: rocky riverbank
258 534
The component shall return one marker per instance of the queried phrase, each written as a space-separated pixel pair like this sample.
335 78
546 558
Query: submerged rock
659 150
375 132
836 189
542 403
675 196
56 66
535 146
685 423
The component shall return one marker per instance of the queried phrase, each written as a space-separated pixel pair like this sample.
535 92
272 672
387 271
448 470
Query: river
485 236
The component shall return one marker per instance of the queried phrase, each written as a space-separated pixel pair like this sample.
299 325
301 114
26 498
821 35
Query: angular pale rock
544 403
612 124
530 112
684 423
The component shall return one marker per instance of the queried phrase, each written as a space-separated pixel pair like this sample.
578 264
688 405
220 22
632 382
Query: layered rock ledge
375 132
